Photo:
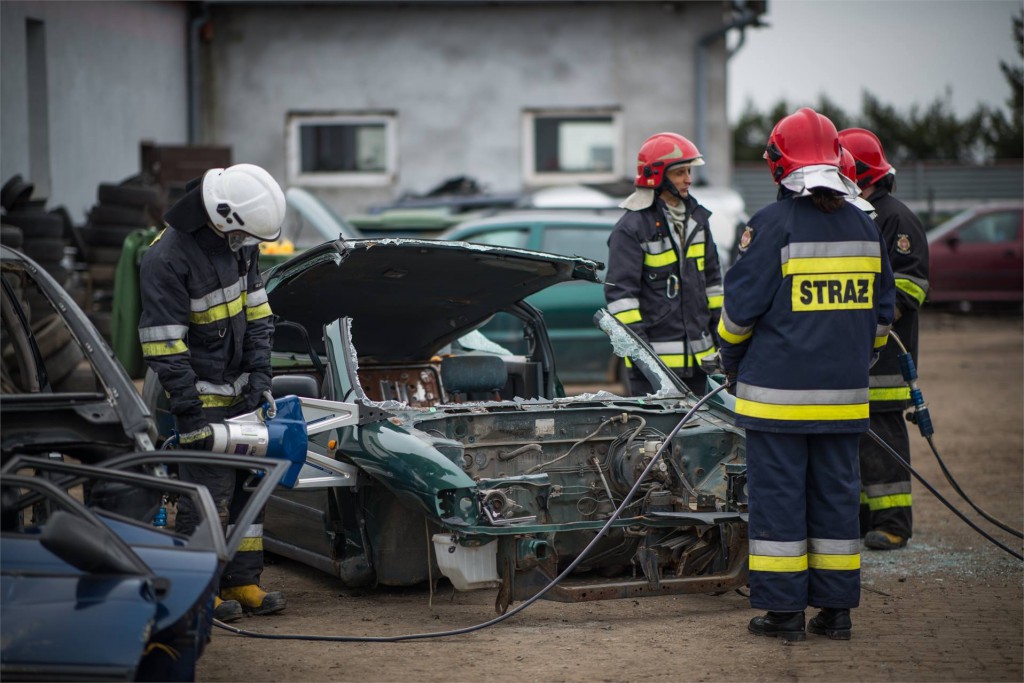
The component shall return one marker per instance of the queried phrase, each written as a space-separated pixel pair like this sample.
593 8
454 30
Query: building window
333 149
577 146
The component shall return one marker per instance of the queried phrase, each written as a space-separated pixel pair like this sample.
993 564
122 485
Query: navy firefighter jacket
206 326
665 286
808 304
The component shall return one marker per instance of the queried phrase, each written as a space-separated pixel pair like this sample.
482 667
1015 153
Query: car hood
408 298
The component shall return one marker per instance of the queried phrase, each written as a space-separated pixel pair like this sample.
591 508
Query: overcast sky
902 51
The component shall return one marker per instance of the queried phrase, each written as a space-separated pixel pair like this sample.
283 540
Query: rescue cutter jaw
286 436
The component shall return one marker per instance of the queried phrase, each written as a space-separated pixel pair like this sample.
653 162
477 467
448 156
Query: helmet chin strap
667 186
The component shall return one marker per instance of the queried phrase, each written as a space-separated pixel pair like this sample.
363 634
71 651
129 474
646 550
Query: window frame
528 121
293 162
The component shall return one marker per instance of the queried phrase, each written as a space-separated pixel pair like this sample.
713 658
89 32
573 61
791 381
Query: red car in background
978 256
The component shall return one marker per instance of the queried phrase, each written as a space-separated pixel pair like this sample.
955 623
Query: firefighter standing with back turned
886 518
206 329
807 304
664 279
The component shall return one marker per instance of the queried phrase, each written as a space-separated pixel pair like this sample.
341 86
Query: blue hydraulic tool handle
921 417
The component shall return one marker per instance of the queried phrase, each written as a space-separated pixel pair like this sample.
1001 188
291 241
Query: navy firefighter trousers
804 520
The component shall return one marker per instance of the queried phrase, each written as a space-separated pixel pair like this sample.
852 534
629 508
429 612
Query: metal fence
933 190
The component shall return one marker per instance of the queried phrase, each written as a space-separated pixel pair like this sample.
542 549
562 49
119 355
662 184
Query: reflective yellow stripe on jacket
801 404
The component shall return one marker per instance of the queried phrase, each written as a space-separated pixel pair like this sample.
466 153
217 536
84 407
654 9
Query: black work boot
786 625
831 622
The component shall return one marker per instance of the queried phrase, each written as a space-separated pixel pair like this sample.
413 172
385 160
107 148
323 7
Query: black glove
198 440
730 377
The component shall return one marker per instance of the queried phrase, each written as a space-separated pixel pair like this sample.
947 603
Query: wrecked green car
480 469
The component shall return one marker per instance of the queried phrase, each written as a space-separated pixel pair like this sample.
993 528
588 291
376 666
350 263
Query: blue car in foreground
96 584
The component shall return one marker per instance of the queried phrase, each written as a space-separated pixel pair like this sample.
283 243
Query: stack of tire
121 209
43 236
40 234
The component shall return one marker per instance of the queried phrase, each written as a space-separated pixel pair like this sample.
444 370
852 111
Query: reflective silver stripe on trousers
623 305
233 389
252 531
714 290
801 396
879 490
834 546
778 548
733 328
882 330
218 297
829 249
161 333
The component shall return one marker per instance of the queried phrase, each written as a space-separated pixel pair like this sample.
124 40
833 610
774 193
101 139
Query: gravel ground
949 607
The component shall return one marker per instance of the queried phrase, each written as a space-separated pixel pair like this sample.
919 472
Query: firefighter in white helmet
206 329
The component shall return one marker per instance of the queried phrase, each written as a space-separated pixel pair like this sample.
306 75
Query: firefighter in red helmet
806 305
664 279
886 518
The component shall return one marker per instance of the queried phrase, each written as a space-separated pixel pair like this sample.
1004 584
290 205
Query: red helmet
659 153
805 138
847 166
867 151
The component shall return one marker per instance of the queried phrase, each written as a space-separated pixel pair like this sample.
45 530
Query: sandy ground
946 608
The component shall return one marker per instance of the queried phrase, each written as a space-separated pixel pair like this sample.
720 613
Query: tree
933 132
1005 137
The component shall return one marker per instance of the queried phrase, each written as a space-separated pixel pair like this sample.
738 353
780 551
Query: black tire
15 192
102 235
101 275
103 322
105 255
11 236
51 335
134 216
128 195
63 362
46 250
36 223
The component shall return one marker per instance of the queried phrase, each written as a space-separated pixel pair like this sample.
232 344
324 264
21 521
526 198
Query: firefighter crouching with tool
886 518
664 279
807 304
206 329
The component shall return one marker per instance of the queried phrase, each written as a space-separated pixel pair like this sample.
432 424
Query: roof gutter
748 16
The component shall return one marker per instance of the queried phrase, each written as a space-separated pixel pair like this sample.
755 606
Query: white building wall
116 74
459 77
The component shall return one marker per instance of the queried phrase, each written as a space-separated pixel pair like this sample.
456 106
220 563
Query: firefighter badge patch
747 237
903 243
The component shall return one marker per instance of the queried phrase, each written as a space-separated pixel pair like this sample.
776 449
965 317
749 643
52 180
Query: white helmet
244 198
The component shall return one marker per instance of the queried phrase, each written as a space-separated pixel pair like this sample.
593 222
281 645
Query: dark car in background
978 256
581 349
569 308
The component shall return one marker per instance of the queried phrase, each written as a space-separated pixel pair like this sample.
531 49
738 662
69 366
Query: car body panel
96 581
978 255
515 475
96 411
